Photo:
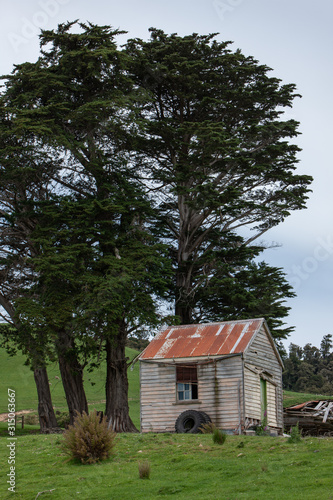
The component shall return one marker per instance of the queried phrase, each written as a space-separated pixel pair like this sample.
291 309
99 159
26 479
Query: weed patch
295 435
144 470
219 436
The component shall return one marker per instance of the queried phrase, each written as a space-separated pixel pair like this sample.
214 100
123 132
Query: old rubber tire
206 417
189 422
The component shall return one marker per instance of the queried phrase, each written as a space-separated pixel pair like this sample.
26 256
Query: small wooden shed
230 371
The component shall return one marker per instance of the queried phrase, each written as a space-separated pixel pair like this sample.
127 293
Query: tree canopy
216 150
309 369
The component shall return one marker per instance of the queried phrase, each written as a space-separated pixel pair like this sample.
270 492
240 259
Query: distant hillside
14 374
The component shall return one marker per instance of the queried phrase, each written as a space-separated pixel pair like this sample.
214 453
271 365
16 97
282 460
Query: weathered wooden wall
219 394
252 393
259 357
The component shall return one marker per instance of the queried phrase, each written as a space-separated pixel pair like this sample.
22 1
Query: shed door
271 404
260 396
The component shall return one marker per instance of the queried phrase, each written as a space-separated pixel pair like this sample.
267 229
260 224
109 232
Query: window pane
187 391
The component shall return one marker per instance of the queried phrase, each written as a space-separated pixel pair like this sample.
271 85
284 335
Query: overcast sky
295 38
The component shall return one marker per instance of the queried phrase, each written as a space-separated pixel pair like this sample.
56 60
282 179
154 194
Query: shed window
187 383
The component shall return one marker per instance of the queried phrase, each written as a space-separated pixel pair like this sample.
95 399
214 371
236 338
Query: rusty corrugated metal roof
301 405
210 339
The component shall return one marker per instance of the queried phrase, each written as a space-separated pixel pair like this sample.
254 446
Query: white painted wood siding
252 393
219 395
271 405
253 397
261 356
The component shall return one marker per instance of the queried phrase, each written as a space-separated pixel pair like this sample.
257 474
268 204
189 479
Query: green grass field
182 466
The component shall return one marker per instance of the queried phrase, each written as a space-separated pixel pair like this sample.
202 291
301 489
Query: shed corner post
242 398
140 379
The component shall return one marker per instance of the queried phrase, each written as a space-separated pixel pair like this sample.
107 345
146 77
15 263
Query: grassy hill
14 374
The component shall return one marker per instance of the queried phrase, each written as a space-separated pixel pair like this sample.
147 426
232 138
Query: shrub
261 429
207 428
219 436
295 435
89 439
63 419
31 419
144 470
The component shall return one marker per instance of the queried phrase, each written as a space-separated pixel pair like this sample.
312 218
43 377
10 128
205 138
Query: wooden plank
319 405
329 406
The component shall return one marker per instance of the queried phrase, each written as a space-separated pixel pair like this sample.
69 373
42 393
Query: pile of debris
314 418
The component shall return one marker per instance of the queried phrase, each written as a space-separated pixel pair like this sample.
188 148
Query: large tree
218 153
22 181
99 266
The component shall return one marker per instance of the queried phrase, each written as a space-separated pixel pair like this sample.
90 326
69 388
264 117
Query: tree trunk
183 308
117 410
72 376
184 313
47 419
185 262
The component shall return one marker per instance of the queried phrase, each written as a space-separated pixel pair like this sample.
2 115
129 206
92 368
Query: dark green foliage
326 346
97 263
309 369
214 145
295 435
89 439
63 419
250 291
138 342
96 228
262 429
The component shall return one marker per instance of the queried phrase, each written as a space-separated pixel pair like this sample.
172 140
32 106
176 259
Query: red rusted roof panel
302 405
229 337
